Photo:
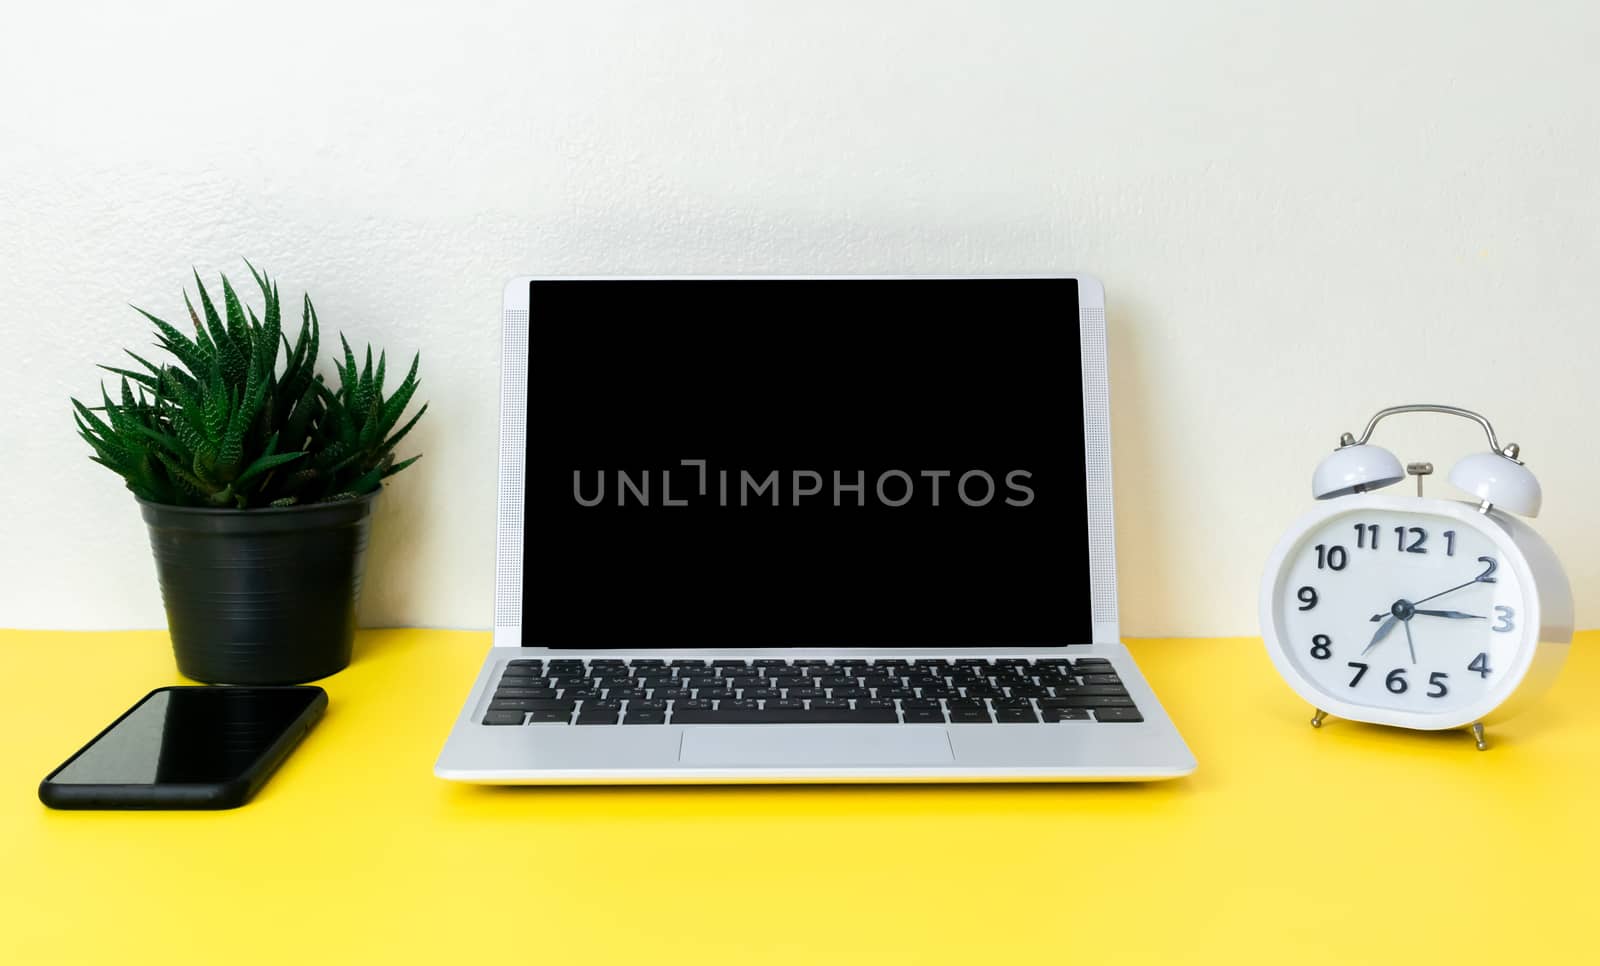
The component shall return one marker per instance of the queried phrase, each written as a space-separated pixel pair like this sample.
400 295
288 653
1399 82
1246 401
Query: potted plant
256 481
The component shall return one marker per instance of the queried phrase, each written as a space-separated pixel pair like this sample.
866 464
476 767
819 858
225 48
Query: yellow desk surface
1294 846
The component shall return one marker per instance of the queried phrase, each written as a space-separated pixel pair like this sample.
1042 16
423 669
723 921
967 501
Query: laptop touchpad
780 746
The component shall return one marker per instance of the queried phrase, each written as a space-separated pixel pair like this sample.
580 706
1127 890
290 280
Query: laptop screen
805 462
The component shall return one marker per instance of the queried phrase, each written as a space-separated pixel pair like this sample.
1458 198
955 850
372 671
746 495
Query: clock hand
1383 631
1410 643
1379 617
1450 591
1454 615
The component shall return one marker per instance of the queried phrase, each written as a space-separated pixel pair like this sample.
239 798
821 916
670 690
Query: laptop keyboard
775 691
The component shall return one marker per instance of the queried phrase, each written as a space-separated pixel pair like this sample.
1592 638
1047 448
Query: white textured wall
1301 212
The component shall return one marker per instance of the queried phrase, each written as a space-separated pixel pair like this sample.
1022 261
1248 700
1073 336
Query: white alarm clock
1414 612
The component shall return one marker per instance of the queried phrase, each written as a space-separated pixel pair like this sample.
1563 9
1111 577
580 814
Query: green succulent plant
243 420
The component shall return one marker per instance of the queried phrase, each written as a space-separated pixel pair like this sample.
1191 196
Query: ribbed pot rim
208 511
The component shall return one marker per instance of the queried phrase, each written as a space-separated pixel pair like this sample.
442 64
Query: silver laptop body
542 623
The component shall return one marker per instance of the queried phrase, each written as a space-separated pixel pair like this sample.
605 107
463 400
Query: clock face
1415 612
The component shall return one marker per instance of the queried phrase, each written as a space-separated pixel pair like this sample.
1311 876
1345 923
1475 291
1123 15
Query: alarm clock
1411 611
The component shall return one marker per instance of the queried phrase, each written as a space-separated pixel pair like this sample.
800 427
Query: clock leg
1477 734
1316 719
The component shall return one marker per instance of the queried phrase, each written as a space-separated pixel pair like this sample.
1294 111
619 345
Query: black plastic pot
260 596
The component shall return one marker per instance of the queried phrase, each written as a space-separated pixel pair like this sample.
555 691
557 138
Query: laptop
806 530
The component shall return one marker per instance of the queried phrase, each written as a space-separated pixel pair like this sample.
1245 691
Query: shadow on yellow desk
1350 844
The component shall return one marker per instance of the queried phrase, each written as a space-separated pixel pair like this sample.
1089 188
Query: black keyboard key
984 691
593 716
777 673
921 703
647 662
1086 663
813 716
1083 690
830 704
647 706
1087 701
693 704
503 718
607 662
525 662
518 704
563 705
1011 662
1015 715
924 715
978 716
561 716
738 705
856 716
895 691
971 662
852 691
1117 714
1101 679
546 693
936 663
804 693
644 718
850 663
730 663
1065 714
770 662
688 664
1030 691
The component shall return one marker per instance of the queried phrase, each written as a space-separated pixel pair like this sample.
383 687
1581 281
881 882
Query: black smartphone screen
204 745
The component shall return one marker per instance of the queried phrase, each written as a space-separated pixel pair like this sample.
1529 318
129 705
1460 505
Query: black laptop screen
835 463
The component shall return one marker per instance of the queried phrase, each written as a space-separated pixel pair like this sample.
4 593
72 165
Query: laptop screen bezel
1093 382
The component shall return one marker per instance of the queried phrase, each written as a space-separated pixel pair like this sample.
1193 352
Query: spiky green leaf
264 464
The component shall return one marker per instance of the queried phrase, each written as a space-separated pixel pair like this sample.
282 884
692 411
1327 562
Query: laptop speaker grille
514 426
1097 454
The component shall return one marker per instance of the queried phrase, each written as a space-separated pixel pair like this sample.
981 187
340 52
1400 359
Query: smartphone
187 747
